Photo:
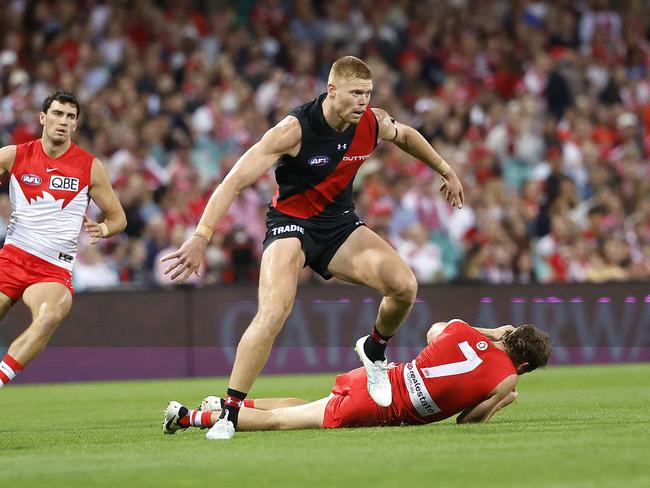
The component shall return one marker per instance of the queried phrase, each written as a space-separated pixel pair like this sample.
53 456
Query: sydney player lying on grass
463 370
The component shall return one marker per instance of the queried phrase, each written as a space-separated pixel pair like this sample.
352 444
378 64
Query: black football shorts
320 237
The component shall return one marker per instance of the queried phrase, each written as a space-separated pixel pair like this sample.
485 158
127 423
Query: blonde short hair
349 67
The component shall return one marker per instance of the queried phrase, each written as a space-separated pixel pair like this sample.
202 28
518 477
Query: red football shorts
19 269
352 406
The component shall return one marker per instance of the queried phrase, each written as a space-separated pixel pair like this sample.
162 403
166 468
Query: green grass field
570 427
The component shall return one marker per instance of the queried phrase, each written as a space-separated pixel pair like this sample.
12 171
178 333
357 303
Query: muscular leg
365 258
273 403
267 404
5 305
281 265
49 303
307 416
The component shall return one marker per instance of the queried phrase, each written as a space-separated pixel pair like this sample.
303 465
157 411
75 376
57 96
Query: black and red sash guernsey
318 181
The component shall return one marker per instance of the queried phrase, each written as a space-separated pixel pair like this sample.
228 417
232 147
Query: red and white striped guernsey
49 197
458 370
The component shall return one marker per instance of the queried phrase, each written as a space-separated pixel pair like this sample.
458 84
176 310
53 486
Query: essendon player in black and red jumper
318 147
314 198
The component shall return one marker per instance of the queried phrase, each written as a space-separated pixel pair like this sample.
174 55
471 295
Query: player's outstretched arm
495 334
503 395
282 139
412 142
103 195
7 157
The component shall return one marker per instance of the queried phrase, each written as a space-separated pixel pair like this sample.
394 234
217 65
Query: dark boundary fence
185 332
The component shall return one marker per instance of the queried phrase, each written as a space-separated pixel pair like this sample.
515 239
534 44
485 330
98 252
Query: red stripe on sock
206 419
12 363
233 402
249 403
4 378
378 338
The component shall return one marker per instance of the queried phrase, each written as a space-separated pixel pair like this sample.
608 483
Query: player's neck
54 150
500 345
332 118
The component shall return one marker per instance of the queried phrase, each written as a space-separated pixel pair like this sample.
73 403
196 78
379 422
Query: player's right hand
187 259
452 189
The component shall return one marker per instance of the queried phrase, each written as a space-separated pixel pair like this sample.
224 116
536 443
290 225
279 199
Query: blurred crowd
542 108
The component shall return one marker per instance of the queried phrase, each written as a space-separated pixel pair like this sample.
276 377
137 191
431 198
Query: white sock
6 374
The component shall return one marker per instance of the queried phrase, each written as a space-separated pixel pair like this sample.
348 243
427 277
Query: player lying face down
466 371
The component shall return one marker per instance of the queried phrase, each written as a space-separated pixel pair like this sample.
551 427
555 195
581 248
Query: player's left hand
452 189
501 332
94 229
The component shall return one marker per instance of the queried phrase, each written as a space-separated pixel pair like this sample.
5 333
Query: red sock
196 418
379 338
375 345
9 367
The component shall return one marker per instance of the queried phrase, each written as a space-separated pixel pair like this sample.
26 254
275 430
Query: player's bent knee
53 319
49 320
404 287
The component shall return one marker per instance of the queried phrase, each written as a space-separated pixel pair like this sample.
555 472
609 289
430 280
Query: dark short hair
61 96
528 344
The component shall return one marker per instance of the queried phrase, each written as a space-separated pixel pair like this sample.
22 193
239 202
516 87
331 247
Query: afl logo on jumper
30 179
318 161
481 345
65 183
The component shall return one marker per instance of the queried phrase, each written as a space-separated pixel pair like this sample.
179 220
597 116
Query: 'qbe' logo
65 183
31 179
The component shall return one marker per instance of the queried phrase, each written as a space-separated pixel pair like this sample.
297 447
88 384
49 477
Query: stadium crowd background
542 107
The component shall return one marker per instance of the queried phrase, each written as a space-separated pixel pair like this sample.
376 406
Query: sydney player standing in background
51 181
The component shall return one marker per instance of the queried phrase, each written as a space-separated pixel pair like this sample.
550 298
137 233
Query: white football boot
211 404
224 429
377 373
172 413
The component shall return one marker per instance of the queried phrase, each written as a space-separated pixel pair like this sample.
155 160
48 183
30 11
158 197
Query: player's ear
331 90
41 118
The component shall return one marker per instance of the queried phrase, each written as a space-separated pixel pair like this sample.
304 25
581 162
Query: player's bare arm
503 395
7 157
412 142
495 334
284 138
103 195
